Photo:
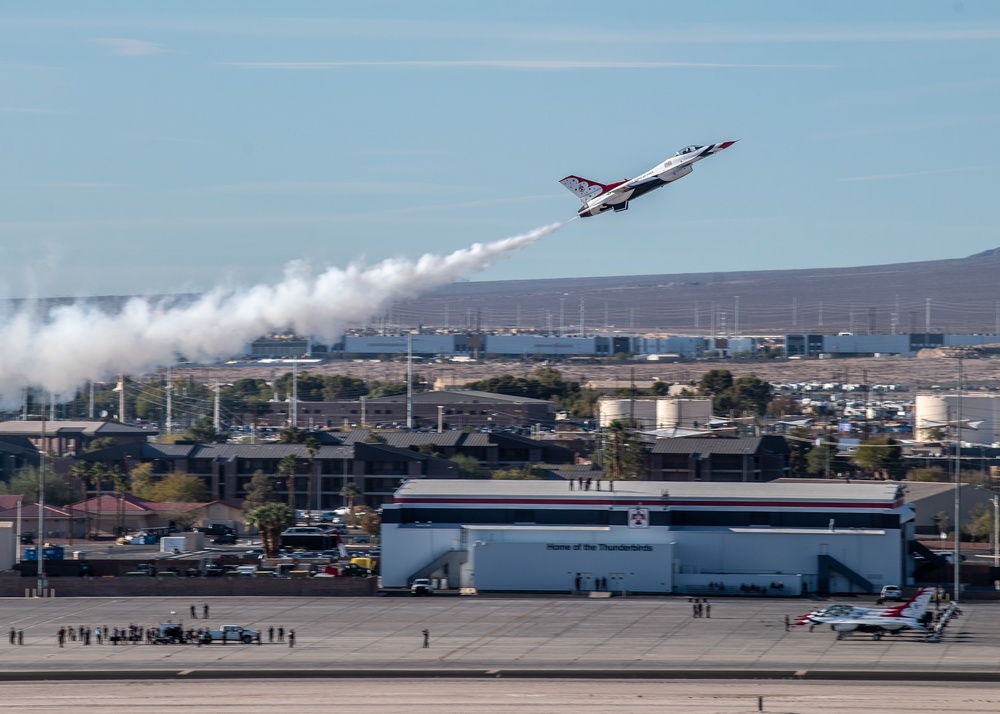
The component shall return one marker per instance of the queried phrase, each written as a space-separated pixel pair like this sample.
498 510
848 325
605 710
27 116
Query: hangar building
648 537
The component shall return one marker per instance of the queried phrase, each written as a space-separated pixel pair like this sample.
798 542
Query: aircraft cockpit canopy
687 150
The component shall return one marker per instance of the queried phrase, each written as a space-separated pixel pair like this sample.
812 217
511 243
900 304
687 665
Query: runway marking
496 630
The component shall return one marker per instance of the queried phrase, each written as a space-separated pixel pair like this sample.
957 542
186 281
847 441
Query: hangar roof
878 494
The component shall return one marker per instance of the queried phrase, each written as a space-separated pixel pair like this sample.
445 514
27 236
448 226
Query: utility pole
409 382
958 483
216 421
40 539
170 399
295 393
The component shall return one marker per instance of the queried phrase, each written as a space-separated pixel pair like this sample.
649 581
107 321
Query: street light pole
957 565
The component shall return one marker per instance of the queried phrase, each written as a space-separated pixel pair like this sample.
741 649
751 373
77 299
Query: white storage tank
684 413
938 412
642 410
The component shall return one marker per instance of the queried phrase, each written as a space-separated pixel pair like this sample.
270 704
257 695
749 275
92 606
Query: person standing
708 608
281 633
13 636
194 613
427 638
787 623
61 636
20 637
291 638
270 633
204 611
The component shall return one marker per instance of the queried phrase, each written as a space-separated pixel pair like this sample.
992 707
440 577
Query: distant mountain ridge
957 295
962 295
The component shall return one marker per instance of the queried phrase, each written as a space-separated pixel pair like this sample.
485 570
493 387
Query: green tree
880 454
746 395
287 468
339 386
822 459
349 492
292 435
715 381
624 453
308 387
203 432
371 523
250 398
103 442
469 467
142 480
800 444
259 491
25 482
428 449
524 473
270 520
980 525
386 389
180 487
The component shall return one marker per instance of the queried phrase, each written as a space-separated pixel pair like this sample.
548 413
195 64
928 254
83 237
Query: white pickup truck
229 633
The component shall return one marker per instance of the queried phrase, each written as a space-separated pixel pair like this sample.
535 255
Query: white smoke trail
78 342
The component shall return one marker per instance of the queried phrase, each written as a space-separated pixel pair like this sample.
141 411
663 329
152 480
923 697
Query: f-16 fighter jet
598 197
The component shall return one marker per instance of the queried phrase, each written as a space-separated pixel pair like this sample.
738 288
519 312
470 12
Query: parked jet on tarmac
842 610
908 616
598 197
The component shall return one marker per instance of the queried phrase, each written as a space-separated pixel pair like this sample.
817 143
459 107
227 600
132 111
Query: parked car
890 592
227 539
421 586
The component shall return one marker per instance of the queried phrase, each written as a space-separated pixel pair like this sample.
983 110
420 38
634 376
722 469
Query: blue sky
172 146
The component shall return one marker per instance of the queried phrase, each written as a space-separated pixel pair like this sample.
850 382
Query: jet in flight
598 197
908 616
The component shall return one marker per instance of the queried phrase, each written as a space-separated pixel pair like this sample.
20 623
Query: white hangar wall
489 535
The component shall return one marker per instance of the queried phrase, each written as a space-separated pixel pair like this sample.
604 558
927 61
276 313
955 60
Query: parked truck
229 633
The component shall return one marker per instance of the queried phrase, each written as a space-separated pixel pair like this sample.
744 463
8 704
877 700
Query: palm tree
119 482
81 472
98 472
270 519
348 493
287 467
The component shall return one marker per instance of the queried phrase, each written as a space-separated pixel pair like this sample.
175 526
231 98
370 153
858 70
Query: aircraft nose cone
726 145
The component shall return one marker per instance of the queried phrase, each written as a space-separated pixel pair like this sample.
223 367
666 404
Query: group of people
700 607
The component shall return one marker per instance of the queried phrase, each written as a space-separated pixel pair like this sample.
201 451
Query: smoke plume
72 344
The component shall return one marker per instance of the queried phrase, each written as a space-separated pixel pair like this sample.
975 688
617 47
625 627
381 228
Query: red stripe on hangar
638 502
530 501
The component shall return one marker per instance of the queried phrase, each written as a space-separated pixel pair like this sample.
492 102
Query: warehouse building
646 537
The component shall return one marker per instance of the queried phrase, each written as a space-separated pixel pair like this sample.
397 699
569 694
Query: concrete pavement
489 636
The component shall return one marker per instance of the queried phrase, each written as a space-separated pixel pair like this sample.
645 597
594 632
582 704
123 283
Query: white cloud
131 48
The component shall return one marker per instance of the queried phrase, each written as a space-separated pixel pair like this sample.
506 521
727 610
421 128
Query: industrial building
450 408
477 345
851 345
645 537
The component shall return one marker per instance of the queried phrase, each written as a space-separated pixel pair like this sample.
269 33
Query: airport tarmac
501 696
482 636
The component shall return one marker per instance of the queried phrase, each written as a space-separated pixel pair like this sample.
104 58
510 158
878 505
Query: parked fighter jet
910 616
598 197
843 611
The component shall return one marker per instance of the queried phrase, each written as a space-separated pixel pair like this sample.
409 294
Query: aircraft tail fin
915 608
584 189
